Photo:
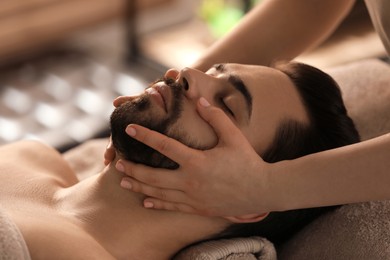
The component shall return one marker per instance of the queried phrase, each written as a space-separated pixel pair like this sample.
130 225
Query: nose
193 82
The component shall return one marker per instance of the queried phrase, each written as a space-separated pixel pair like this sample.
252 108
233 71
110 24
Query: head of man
255 98
285 112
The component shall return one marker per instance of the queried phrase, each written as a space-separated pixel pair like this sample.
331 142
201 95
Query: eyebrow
239 85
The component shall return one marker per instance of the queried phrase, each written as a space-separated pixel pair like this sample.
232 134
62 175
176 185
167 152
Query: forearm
355 173
277 29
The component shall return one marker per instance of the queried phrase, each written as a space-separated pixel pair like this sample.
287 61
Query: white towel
12 244
251 248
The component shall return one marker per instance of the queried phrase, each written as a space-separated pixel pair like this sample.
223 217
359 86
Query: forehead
275 99
256 78
249 72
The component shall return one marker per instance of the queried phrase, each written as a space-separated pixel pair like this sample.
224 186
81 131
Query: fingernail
120 167
125 184
204 102
148 204
131 131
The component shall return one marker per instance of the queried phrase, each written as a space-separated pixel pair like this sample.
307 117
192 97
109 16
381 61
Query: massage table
354 231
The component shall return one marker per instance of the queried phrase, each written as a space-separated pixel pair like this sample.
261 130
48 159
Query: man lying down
285 112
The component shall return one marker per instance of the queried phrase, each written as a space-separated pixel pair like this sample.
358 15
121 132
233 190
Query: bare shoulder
33 158
27 149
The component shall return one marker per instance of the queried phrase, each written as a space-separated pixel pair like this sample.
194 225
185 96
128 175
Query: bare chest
49 235
30 176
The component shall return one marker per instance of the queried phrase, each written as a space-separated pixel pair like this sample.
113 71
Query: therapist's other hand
223 181
109 153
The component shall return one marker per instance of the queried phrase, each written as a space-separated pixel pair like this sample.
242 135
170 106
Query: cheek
195 130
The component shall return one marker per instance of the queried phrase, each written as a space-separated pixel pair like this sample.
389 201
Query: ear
249 218
172 74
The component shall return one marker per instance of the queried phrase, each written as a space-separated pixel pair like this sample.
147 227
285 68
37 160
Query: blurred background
62 62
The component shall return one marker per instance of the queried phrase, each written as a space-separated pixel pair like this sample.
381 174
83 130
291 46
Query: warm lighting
49 116
16 100
89 101
127 86
84 128
101 76
57 88
10 130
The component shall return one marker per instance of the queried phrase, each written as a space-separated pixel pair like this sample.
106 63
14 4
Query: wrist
266 187
278 189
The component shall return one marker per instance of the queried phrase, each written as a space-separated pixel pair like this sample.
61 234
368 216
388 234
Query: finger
159 178
122 99
223 126
109 153
172 73
167 146
165 205
162 194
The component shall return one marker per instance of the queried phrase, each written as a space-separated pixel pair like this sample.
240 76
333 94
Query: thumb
109 153
226 131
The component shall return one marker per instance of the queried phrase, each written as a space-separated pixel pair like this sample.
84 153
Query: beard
138 111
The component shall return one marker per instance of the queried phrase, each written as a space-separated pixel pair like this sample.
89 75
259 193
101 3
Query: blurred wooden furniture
31 25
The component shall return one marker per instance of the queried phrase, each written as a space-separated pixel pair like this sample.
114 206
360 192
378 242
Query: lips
160 93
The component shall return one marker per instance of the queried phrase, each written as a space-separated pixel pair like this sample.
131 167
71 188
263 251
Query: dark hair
329 127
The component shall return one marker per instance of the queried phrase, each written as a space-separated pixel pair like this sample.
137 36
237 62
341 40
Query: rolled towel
12 244
251 248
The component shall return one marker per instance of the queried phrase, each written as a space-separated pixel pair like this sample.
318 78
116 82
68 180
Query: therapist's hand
109 154
228 180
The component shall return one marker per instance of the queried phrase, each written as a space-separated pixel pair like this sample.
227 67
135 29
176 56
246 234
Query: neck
119 222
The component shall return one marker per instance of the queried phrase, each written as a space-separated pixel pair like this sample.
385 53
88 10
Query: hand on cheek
207 182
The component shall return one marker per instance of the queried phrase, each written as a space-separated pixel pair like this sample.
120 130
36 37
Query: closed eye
225 107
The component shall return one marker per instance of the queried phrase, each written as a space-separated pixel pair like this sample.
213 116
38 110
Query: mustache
175 86
172 83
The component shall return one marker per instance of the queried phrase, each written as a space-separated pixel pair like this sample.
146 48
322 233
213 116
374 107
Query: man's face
255 98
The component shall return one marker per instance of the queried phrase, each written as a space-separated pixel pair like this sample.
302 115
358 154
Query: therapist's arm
277 30
349 174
